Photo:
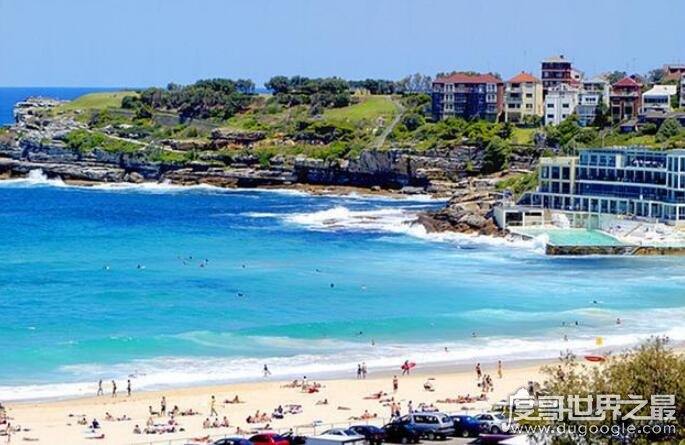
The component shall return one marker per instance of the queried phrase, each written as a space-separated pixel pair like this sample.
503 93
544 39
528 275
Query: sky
140 43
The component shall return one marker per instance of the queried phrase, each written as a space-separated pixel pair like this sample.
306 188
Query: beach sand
49 422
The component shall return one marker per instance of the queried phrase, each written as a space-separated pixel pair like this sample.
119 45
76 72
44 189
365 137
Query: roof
662 90
626 82
524 77
595 80
468 78
556 59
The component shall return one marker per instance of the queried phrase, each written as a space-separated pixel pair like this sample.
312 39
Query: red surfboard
408 365
595 358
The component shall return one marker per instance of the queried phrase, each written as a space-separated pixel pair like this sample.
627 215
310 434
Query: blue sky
153 42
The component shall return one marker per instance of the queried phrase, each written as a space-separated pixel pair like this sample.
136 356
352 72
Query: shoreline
309 189
347 397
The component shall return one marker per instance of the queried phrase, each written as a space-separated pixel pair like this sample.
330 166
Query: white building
658 98
592 93
560 102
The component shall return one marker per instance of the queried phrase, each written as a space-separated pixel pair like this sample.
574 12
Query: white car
341 432
495 423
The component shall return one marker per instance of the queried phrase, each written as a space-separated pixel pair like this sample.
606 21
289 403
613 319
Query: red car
268 439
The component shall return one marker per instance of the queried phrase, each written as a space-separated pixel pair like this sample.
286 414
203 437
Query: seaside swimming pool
572 237
181 286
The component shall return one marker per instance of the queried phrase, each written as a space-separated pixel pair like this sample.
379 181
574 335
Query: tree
602 116
278 84
656 75
415 83
413 121
497 154
652 368
671 127
615 76
648 128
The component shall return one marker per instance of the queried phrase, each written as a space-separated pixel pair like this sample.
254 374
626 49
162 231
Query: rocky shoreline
37 142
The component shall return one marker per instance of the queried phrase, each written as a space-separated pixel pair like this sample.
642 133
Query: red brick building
625 99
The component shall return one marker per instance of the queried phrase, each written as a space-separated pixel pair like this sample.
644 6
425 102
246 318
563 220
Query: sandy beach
347 398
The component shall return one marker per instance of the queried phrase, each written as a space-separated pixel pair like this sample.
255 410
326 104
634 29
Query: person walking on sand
162 408
212 407
128 387
395 383
114 388
479 373
364 370
100 391
359 371
267 373
499 368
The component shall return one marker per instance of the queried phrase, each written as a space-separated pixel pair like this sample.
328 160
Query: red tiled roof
468 78
626 82
524 77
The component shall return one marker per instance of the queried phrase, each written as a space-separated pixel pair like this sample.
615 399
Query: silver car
495 423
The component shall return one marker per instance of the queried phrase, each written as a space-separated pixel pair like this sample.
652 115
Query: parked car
467 426
347 432
401 433
294 439
268 439
232 441
493 423
373 434
431 425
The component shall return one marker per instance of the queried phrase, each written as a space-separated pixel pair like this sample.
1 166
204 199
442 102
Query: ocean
182 286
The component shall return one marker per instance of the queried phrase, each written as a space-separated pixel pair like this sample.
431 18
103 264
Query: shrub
497 154
670 127
413 121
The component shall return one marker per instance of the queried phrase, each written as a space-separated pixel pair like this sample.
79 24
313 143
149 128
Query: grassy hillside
97 101
370 108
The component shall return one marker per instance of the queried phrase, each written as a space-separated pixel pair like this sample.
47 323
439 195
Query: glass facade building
620 181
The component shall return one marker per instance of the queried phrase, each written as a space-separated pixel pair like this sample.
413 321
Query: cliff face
38 143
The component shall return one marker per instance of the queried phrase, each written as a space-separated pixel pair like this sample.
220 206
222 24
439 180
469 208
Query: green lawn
98 101
522 135
370 108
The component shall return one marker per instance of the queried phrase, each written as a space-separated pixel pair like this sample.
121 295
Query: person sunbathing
428 386
322 402
216 424
109 417
224 422
234 400
137 430
206 424
375 396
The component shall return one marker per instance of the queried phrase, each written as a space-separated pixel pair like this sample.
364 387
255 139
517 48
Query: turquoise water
303 283
573 237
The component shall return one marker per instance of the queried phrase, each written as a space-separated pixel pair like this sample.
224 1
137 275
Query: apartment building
522 97
468 96
560 102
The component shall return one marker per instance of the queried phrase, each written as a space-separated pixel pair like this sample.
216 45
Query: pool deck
570 242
